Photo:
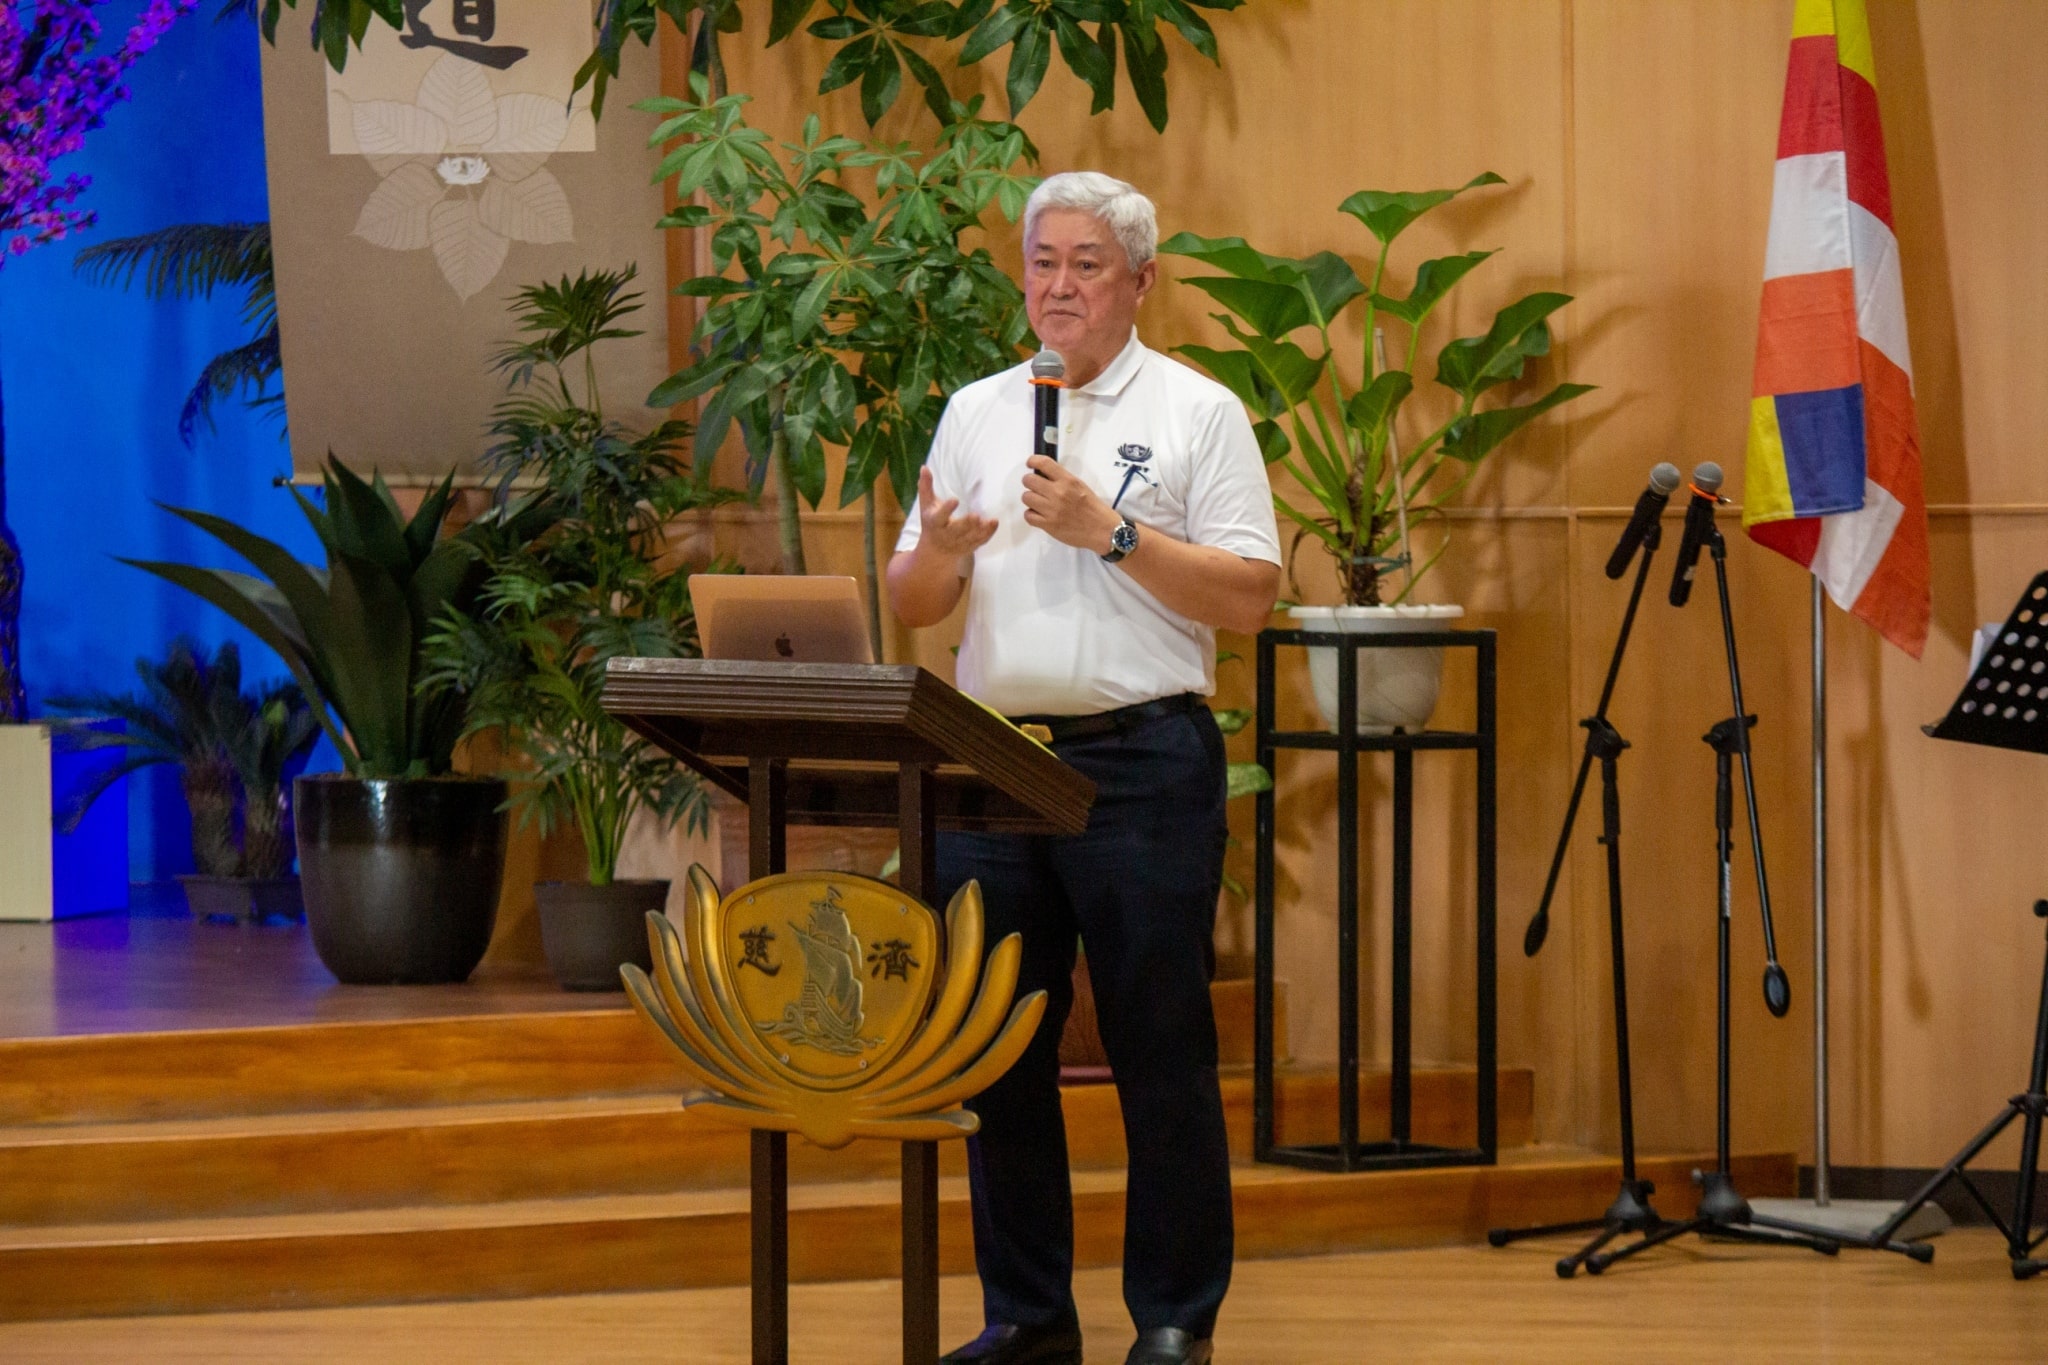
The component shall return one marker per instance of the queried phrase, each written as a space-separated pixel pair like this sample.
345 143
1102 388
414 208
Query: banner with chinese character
415 191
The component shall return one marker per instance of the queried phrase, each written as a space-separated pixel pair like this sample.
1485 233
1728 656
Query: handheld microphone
1699 528
1048 377
1664 481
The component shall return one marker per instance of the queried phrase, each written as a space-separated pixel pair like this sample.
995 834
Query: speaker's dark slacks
1139 888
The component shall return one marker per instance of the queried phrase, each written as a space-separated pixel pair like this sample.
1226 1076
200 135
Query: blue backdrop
93 378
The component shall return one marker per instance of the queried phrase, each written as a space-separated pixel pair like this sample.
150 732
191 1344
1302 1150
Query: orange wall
1637 137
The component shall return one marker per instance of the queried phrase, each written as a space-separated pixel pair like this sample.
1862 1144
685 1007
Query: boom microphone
1699 528
1048 376
1664 481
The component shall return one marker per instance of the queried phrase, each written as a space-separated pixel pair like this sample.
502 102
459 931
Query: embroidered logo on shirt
1132 459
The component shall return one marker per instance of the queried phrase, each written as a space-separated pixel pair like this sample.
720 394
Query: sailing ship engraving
828 1012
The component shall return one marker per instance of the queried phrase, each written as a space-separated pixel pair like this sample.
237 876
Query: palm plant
235 752
191 260
354 633
529 656
1365 493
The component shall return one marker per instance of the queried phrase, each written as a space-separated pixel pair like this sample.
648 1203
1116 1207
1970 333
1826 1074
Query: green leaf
1433 279
846 67
1273 309
1474 437
1028 60
1232 720
1272 439
880 84
836 29
937 97
1085 59
810 307
1471 365
1329 283
1105 43
1290 370
1145 59
784 18
1387 215
1245 779
1231 255
1372 408
1194 28
997 30
1238 372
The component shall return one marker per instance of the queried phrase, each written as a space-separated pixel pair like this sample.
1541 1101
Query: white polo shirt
1051 629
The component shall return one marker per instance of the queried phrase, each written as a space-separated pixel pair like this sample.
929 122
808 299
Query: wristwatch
1122 541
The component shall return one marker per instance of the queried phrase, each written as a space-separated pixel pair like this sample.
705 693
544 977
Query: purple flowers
55 87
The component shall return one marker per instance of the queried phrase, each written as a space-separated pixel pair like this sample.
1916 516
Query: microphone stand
1631 1210
1723 1212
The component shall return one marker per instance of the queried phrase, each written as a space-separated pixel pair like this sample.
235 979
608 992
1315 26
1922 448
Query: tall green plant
1337 440
849 318
598 583
354 633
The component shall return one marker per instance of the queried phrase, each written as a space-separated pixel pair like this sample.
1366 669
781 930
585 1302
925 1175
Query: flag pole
1820 895
1847 1217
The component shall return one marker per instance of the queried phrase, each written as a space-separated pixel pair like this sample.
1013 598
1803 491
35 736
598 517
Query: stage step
383 1064
478 1153
841 1230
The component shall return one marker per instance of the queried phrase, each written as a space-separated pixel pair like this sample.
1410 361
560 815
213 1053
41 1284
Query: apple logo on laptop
784 648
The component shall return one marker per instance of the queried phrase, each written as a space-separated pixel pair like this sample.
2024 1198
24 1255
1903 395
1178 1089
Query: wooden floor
1695 1304
151 972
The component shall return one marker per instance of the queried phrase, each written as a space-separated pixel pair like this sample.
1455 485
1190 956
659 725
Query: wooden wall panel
1638 137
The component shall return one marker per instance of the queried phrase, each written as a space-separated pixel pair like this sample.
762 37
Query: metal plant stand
1400 1150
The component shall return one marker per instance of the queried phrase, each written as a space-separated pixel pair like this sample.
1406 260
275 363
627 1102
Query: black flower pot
589 932
400 877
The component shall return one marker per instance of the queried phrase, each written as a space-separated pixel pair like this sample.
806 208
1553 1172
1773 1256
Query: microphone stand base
1857 1219
1630 1212
1724 1215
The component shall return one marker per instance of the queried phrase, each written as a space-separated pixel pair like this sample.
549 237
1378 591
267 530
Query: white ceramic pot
1396 687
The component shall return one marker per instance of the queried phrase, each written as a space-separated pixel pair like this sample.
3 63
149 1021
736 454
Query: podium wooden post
861 745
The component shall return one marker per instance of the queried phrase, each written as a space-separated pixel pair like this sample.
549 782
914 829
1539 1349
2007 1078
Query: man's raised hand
947 530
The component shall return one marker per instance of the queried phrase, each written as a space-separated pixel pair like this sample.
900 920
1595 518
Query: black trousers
1139 888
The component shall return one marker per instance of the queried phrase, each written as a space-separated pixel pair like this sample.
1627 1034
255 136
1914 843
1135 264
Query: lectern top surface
828 722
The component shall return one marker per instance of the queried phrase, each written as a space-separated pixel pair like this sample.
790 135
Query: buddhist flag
1834 448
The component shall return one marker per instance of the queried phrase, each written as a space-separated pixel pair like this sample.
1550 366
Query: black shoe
1168 1346
1002 1344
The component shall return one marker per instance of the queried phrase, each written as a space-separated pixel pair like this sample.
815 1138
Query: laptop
788 618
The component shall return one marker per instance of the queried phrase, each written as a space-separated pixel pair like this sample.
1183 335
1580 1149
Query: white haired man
1095 584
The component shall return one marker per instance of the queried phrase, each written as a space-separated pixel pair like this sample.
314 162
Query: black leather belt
1125 718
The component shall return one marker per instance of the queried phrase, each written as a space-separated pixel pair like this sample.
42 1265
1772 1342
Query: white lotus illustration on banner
462 172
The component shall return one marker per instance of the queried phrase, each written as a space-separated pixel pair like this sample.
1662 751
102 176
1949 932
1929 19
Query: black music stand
2005 705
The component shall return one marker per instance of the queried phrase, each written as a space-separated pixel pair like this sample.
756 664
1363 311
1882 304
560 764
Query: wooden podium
864 745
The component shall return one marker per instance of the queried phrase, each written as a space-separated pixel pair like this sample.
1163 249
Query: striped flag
1834 448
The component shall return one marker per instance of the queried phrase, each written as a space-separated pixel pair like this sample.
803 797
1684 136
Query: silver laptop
806 619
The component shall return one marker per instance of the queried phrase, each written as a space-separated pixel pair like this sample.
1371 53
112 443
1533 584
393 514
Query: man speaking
1095 583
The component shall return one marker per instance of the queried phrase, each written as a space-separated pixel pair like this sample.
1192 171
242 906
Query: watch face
1124 538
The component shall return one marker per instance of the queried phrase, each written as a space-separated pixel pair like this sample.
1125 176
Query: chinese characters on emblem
754 950
891 959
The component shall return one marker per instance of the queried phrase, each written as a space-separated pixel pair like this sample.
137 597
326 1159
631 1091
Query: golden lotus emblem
832 1005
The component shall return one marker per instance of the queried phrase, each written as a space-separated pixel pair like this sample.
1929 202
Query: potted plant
235 752
400 859
528 657
854 315
1361 493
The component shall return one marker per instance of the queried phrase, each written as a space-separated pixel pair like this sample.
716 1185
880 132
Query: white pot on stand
1396 687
